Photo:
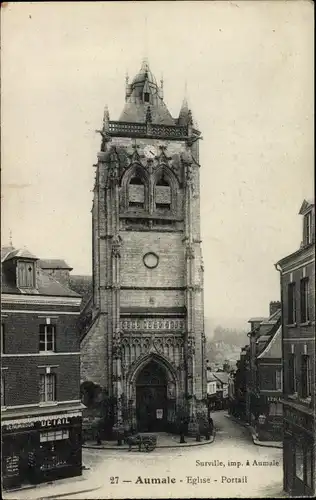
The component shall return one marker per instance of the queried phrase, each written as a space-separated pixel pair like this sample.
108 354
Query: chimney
274 307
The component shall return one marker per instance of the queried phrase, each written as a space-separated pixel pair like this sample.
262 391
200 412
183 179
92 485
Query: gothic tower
145 343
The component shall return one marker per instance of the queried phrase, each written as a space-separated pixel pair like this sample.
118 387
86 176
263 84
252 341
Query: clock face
151 260
150 151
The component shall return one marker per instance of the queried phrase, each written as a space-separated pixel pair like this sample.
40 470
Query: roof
257 319
273 350
210 376
135 108
306 206
5 251
82 284
54 264
222 377
267 332
22 253
46 285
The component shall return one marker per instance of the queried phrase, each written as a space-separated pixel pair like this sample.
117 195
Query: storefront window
299 462
54 435
56 454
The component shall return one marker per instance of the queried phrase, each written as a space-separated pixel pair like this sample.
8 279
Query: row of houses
256 390
273 388
217 390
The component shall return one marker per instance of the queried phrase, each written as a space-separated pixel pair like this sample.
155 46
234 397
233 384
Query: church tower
145 343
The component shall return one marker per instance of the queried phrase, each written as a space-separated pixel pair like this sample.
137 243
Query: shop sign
18 425
273 399
55 421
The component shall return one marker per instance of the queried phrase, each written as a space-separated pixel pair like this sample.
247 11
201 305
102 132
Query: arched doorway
151 398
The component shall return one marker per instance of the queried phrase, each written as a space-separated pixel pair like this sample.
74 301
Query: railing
149 129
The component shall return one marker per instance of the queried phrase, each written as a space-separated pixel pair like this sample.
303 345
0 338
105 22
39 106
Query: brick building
297 280
40 379
145 343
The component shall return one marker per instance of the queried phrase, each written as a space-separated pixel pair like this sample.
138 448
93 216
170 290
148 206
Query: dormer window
307 232
26 274
146 96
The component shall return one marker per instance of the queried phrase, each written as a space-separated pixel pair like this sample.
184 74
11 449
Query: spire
142 91
10 239
161 87
185 115
106 119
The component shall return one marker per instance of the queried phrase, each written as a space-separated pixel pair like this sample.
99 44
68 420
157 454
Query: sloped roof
222 377
135 109
5 252
46 285
54 264
273 349
256 319
306 205
210 376
21 253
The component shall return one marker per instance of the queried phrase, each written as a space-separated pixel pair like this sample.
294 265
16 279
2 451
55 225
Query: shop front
39 449
298 454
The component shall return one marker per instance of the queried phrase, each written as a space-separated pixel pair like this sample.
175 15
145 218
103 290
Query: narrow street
230 467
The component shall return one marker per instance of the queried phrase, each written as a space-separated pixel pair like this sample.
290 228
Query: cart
144 442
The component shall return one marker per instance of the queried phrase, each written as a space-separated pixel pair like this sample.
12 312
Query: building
267 398
237 388
145 344
40 373
297 279
211 391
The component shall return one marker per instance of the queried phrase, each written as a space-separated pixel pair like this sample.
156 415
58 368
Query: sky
248 69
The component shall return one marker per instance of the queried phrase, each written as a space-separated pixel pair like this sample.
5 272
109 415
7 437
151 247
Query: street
230 467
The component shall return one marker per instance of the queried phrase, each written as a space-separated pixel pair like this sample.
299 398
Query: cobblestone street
232 466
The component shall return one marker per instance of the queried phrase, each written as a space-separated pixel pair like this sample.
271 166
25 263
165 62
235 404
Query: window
146 96
47 387
26 275
299 462
275 409
162 194
305 377
278 380
291 304
54 435
307 233
309 466
2 338
291 374
47 338
304 300
136 193
2 391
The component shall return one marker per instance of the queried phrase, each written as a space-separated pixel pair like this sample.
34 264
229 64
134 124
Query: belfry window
146 96
136 193
162 195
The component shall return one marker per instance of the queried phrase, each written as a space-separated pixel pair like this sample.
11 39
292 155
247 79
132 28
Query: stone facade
147 262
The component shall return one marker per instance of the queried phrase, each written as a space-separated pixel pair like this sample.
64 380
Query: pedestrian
211 424
182 430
